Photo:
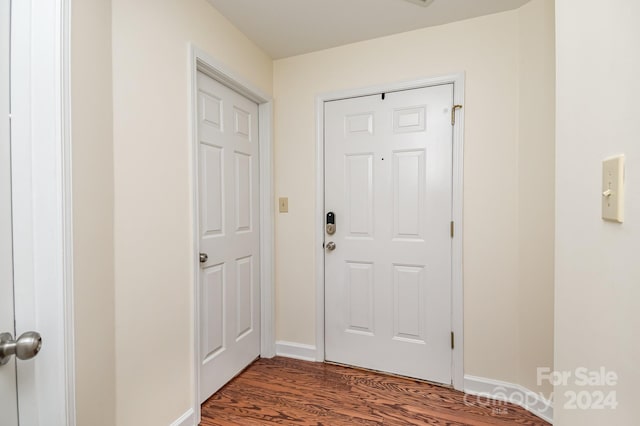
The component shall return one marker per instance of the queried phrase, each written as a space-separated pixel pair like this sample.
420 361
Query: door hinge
452 229
452 340
453 114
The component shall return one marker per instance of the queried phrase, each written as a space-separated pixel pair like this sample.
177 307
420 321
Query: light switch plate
283 204
613 189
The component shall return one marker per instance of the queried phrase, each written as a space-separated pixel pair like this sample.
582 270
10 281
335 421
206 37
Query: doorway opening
250 215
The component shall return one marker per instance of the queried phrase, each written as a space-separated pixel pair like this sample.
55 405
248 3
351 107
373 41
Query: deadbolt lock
331 223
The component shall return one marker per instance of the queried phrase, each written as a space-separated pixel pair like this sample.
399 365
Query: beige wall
148 167
488 50
92 169
536 197
153 217
597 274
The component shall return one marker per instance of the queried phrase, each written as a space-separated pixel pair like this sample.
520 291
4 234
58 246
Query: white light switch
613 189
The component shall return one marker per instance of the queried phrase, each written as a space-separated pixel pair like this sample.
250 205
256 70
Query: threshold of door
386 373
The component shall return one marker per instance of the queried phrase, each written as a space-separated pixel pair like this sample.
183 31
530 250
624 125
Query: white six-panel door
229 233
8 389
388 179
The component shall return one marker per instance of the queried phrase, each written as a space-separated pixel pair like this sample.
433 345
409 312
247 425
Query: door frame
42 207
202 61
457 296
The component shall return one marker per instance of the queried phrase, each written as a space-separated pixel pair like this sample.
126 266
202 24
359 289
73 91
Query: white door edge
42 207
457 295
201 61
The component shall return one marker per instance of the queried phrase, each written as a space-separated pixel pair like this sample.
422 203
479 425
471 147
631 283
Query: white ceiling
285 28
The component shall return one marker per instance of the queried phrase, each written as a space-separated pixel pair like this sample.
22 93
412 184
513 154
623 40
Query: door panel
388 179
211 181
408 177
213 331
359 193
229 233
359 305
8 389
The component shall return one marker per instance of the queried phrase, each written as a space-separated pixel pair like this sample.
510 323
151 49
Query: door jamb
201 61
457 295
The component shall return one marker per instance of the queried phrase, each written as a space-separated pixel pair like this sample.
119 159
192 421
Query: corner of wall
93 205
536 191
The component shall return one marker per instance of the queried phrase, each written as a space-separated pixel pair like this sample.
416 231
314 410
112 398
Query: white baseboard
187 419
296 350
516 394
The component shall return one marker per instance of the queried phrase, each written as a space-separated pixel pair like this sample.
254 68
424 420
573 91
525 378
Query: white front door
8 390
388 181
229 233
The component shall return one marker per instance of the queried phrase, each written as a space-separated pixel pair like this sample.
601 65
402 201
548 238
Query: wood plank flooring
284 391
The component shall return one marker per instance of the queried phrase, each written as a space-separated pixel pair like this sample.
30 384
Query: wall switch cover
283 202
613 189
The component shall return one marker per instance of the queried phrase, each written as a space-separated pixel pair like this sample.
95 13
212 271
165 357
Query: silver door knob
25 347
331 246
204 257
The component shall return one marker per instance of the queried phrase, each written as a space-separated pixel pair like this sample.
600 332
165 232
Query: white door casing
229 212
388 178
8 390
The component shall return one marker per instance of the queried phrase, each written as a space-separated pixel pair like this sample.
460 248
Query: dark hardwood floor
291 392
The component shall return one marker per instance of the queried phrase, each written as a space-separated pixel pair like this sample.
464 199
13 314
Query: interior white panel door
388 179
8 389
229 233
